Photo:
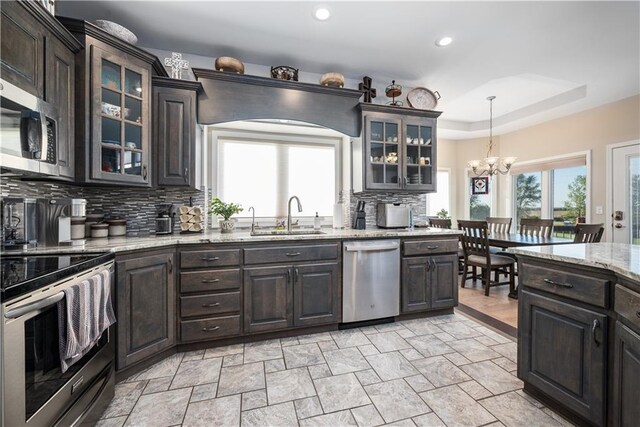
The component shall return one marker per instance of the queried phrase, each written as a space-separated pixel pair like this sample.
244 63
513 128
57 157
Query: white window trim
547 184
215 134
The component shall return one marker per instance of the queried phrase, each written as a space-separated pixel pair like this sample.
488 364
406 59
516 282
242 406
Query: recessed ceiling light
444 41
322 14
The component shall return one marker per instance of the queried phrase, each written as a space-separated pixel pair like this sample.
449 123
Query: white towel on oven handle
83 315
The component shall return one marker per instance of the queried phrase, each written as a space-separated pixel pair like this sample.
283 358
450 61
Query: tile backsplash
137 205
417 203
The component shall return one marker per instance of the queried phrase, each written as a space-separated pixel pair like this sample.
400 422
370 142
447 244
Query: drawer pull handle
432 248
215 328
215 258
638 314
293 253
215 304
594 327
564 285
210 280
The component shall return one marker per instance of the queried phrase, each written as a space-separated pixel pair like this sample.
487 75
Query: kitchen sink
285 232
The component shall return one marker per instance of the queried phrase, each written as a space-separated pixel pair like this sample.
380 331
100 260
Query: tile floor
446 370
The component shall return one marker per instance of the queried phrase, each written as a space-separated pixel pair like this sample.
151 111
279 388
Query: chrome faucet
289 210
253 218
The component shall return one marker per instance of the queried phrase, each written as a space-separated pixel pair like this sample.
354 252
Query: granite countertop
122 244
620 258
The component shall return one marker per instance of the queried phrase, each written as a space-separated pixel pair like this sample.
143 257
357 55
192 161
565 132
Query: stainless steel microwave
28 132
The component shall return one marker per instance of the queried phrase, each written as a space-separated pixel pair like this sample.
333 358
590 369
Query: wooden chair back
439 223
536 227
588 233
474 238
499 225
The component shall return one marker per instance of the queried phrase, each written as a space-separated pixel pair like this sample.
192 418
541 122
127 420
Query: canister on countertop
117 227
99 230
78 228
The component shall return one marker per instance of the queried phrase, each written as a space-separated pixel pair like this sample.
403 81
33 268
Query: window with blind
552 189
265 173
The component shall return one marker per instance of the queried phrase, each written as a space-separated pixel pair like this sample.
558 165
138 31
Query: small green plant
443 213
225 210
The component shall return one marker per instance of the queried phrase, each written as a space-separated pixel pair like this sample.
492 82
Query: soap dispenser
316 222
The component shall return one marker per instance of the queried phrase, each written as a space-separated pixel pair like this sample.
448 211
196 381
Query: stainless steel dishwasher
371 280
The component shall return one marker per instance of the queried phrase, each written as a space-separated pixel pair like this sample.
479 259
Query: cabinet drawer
209 280
427 247
587 289
290 253
207 329
213 258
209 305
628 305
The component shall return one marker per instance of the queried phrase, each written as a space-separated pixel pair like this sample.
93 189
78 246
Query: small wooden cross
367 88
177 64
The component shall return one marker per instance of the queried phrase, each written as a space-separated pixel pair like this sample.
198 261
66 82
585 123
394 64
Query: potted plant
225 210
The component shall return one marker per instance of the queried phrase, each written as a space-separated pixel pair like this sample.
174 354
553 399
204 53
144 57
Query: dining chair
475 244
588 233
499 225
440 222
536 227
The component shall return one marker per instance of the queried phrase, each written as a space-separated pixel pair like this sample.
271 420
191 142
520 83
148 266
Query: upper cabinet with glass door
397 150
114 114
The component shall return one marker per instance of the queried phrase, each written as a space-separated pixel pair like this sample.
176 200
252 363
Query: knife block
360 221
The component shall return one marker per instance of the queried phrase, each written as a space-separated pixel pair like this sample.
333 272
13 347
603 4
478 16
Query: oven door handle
17 312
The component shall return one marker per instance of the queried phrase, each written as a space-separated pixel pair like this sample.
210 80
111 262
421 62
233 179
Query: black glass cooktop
23 274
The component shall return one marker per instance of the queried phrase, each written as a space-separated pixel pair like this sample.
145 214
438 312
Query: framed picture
479 185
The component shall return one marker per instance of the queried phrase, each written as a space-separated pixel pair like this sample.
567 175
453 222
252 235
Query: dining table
511 240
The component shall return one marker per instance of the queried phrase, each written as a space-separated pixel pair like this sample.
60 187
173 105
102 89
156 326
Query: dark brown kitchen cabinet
397 150
60 92
316 292
626 365
146 308
174 131
268 298
113 108
22 48
562 353
429 282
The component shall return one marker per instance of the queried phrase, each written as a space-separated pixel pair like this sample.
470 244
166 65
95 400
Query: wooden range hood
230 97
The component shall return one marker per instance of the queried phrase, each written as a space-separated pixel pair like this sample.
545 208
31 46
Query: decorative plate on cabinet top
116 30
423 99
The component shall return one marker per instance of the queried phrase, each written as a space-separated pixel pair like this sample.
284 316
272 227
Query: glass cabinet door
419 156
120 119
383 153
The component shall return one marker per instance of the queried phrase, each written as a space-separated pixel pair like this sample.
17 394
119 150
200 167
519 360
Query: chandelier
491 165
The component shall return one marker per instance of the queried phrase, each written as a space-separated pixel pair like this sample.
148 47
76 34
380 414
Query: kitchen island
579 330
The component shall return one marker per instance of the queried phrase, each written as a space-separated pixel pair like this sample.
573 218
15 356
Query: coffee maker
19 230
164 220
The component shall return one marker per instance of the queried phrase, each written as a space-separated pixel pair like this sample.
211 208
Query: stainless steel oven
35 391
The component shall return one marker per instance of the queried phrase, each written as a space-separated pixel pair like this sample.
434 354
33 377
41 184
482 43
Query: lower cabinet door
316 294
626 365
268 298
415 284
562 352
146 306
444 281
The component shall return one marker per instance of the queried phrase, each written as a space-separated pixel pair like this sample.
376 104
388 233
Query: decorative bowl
332 80
116 30
284 72
227 63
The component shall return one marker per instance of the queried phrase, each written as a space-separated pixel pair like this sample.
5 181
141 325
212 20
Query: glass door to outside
625 224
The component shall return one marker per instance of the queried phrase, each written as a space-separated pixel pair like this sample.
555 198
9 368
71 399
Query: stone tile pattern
137 205
417 202
366 382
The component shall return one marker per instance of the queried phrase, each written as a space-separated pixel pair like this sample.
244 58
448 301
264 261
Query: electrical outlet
599 210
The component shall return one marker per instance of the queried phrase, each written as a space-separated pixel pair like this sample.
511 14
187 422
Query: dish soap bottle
316 222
